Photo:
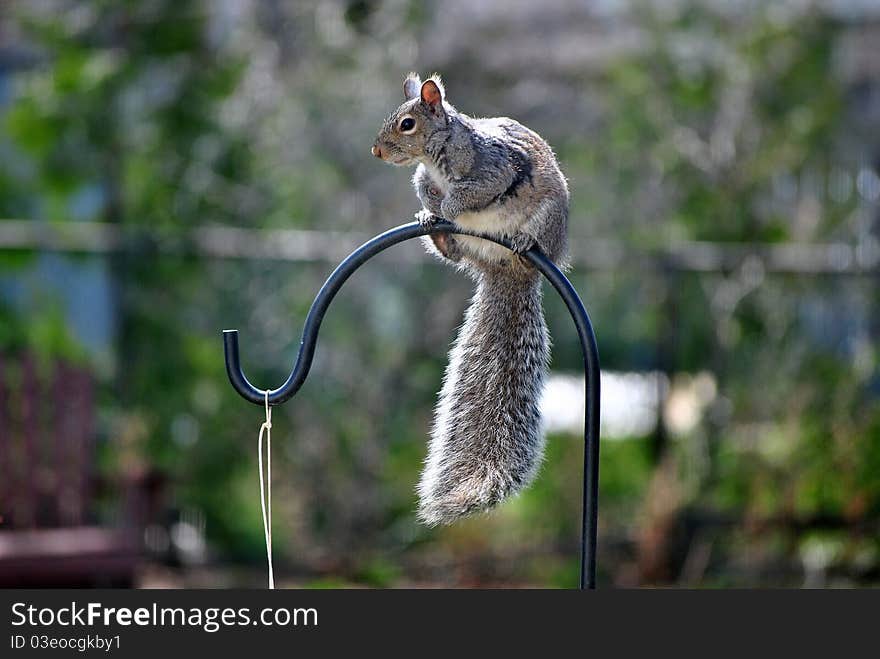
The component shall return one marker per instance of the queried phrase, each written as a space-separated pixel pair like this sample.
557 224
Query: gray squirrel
496 177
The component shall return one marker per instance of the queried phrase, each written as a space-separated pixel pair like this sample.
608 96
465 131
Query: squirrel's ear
411 86
432 92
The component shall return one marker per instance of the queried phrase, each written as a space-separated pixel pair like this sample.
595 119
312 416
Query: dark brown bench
49 530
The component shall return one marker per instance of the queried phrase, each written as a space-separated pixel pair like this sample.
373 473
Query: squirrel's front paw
522 243
427 219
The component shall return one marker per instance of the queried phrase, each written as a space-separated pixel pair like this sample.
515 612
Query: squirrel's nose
376 151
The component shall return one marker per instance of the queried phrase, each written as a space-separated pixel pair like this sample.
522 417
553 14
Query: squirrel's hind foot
444 244
522 243
447 246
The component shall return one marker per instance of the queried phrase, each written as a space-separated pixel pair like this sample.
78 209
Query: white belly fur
437 177
490 221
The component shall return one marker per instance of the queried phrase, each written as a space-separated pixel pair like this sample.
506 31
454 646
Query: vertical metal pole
590 519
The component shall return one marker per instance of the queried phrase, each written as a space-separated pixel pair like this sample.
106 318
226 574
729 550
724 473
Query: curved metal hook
413 230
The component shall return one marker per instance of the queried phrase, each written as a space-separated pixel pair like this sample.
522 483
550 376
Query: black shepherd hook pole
562 285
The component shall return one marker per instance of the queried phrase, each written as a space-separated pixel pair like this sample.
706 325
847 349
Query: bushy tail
487 442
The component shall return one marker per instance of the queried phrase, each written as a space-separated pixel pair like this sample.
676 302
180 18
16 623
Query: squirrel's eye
407 125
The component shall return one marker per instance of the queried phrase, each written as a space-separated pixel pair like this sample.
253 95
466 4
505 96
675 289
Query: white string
266 487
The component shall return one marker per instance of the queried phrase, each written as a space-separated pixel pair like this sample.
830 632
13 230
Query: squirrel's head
407 130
